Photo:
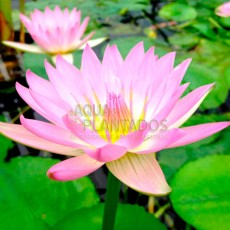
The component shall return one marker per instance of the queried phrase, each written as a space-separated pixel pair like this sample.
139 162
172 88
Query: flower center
116 117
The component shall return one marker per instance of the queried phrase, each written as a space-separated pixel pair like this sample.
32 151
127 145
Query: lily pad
30 199
201 192
35 62
128 217
184 40
178 12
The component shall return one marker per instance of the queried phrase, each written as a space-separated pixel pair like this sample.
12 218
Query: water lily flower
115 112
55 32
223 10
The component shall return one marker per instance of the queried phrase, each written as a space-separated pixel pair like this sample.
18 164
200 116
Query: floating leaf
178 12
128 217
201 192
184 40
29 198
35 62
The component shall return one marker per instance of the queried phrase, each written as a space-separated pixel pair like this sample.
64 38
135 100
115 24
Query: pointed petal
186 106
199 132
52 133
61 85
24 47
107 153
68 70
83 133
82 28
141 173
54 110
45 89
73 168
25 95
133 139
91 72
158 141
19 134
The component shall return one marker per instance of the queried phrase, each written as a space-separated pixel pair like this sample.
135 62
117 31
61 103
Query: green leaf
184 40
178 12
35 62
31 198
205 29
128 217
199 75
201 192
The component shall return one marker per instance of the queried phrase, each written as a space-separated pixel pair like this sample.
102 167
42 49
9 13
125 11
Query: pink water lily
55 32
223 10
118 113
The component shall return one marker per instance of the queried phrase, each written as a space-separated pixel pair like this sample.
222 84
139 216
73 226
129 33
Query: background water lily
223 10
142 87
55 32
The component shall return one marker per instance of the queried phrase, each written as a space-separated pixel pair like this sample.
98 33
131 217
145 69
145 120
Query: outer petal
73 168
199 132
52 133
82 132
62 86
19 134
24 47
186 106
107 153
45 88
158 141
140 172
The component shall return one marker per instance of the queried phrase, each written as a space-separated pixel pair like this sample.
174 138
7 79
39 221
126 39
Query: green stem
111 202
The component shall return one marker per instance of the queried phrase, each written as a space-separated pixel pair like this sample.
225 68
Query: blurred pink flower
55 32
223 10
142 90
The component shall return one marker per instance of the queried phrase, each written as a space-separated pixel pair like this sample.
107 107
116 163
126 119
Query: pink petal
164 66
54 110
91 71
60 84
68 70
199 132
129 71
45 88
83 133
186 106
111 62
141 173
73 168
25 95
158 141
133 139
82 28
19 134
52 133
107 153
